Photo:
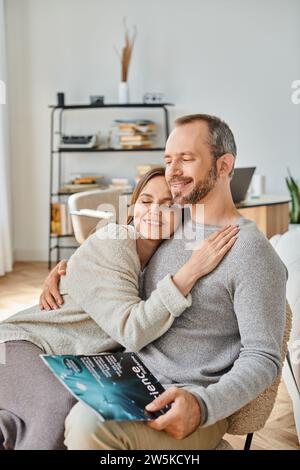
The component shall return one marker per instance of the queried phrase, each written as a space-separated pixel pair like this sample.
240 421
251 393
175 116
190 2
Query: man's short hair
221 137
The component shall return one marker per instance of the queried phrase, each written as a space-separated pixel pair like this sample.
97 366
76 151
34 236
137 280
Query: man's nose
174 169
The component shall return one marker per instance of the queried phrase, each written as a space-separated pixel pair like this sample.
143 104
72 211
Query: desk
271 213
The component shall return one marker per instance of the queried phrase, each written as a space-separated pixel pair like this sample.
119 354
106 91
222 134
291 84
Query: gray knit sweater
102 310
226 347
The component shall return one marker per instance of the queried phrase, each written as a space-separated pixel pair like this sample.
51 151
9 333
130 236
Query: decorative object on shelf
153 98
294 190
83 182
77 141
122 184
130 134
125 58
258 185
97 100
123 93
60 100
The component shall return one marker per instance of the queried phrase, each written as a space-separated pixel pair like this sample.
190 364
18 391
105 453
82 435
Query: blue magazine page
117 386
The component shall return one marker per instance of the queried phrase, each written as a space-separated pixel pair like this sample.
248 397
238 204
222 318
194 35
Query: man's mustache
180 180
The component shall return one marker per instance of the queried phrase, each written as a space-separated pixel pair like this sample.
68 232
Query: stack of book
61 223
131 134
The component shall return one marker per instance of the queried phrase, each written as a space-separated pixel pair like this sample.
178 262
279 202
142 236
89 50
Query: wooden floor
22 288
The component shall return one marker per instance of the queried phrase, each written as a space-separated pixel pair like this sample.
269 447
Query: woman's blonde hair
158 171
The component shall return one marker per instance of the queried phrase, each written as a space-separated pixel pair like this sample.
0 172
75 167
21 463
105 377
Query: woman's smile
156 223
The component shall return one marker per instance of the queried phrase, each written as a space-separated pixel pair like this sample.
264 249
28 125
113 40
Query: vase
123 93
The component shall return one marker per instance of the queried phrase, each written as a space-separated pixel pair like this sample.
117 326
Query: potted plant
294 190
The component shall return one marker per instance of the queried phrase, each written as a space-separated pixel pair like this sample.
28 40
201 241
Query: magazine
117 386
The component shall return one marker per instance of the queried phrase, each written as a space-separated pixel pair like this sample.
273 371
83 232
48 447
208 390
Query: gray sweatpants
33 403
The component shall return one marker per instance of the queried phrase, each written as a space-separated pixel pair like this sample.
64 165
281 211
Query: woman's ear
225 164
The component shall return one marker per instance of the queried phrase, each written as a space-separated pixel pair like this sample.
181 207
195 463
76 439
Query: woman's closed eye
144 201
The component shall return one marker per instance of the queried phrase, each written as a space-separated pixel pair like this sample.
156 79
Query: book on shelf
133 138
134 145
140 125
133 133
116 386
61 223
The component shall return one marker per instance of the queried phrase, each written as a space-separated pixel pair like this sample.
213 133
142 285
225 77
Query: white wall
233 58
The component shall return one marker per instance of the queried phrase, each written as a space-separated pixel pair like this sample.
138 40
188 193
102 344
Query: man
225 349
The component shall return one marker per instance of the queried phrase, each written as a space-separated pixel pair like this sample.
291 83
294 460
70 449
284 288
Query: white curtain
5 231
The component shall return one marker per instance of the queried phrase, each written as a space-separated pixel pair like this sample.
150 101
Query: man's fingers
163 421
164 399
54 290
56 295
50 300
43 303
62 267
58 298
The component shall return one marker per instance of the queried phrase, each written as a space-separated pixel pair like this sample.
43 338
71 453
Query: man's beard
201 189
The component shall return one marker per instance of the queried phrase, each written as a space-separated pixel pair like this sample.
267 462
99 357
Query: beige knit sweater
102 308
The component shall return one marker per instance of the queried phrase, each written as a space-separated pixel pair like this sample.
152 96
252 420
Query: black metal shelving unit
57 153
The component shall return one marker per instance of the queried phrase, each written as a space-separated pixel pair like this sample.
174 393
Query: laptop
240 183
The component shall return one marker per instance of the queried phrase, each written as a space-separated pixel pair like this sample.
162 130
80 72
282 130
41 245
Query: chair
253 416
103 199
287 246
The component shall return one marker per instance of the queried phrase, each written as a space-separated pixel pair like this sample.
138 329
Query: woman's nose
155 207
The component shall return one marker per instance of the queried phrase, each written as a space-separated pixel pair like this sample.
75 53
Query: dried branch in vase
126 53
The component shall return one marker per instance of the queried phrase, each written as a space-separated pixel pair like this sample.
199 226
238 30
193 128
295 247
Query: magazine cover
117 386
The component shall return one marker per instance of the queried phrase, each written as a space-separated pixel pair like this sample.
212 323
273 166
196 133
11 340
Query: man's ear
225 164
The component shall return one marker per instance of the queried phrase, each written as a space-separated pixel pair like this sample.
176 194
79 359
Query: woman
105 268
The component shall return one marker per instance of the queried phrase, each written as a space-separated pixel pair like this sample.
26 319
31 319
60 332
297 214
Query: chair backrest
253 416
103 199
